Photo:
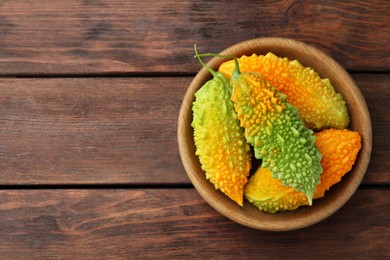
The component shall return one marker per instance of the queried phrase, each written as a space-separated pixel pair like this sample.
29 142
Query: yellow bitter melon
269 194
220 142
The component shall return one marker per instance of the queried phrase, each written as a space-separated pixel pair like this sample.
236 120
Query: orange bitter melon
339 149
318 103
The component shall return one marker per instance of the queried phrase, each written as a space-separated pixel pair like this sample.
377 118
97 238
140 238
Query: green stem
236 71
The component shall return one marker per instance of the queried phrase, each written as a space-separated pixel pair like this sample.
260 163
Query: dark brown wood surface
110 36
90 92
176 223
91 130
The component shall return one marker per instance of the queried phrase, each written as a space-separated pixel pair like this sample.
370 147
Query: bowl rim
326 66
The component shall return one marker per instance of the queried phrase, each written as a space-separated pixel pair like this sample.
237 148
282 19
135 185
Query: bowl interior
337 196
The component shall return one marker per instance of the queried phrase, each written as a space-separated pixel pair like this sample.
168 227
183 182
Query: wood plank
100 130
121 130
173 223
111 36
376 91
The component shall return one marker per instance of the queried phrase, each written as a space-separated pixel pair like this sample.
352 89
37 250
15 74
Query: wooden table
90 96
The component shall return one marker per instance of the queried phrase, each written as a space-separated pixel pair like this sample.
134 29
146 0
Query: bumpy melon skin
277 134
268 193
339 149
319 105
220 142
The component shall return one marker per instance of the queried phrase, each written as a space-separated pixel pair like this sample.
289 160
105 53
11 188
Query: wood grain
376 91
173 223
101 130
121 130
110 36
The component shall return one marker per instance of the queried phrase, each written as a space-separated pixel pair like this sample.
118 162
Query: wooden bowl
337 196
